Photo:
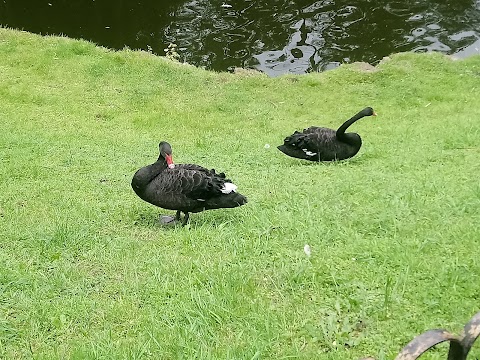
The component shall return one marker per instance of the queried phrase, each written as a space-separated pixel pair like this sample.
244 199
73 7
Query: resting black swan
323 144
186 188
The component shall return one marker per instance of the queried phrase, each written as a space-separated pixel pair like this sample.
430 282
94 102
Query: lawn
89 273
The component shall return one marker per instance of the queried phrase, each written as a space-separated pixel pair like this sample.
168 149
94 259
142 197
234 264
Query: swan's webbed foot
167 220
173 220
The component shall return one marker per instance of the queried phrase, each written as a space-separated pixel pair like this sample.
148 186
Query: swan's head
166 153
368 111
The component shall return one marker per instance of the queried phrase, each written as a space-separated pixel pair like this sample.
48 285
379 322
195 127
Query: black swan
186 187
323 144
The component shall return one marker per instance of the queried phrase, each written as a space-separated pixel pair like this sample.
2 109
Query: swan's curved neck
157 167
146 174
341 130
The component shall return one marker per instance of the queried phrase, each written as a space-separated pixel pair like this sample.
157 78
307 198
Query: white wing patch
228 188
309 153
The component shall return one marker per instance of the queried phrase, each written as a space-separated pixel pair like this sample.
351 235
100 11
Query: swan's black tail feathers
239 199
282 148
231 200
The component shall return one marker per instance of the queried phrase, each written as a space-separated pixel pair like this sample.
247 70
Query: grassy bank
87 272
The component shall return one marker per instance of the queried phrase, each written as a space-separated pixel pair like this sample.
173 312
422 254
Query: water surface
274 36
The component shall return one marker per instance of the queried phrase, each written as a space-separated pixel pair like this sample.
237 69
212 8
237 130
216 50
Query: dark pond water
274 36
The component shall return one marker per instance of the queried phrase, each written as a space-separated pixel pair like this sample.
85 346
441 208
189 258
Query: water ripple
283 37
274 36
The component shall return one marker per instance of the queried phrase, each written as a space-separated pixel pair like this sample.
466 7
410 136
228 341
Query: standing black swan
323 144
185 188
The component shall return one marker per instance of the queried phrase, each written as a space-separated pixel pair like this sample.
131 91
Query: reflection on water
298 37
274 36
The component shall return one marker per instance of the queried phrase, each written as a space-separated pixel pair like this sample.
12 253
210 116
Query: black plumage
187 188
323 144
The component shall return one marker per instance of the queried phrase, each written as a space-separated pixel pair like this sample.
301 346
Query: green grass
88 273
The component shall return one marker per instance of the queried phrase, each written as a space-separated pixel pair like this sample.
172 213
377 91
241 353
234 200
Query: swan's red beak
169 160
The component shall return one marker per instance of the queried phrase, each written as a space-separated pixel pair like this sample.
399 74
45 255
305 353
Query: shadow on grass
214 219
346 162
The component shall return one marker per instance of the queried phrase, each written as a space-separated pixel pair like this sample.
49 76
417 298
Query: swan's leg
177 215
185 218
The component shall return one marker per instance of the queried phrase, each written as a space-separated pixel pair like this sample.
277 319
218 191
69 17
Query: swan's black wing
313 129
313 141
196 184
201 169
